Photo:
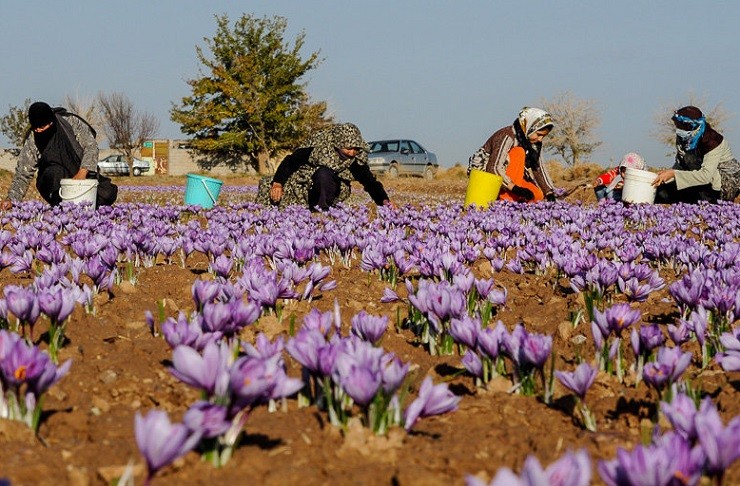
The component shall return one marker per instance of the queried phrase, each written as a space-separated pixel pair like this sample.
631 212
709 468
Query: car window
416 147
393 146
405 145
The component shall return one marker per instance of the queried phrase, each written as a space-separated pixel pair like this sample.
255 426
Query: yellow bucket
483 188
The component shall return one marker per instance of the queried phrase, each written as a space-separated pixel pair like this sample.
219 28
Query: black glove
551 197
522 192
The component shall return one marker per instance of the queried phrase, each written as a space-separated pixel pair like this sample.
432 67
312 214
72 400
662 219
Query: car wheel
393 171
137 171
428 173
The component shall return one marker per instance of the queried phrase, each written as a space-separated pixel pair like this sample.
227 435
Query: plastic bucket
79 190
202 191
483 188
638 186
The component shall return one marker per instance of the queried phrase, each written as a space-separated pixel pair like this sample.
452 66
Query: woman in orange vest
515 153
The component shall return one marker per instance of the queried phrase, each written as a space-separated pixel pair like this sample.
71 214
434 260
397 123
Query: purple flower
208 419
578 381
207 372
368 327
646 339
573 469
536 349
360 383
57 303
161 442
465 330
389 296
681 412
616 318
263 348
252 380
721 445
432 400
305 347
489 340
205 291
472 363
393 371
670 363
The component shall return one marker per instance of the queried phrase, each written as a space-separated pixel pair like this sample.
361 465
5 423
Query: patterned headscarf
630 161
534 119
690 126
341 135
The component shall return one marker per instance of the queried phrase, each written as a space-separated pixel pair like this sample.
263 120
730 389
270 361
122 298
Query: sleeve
542 178
361 172
607 177
290 164
90 150
498 145
25 170
708 173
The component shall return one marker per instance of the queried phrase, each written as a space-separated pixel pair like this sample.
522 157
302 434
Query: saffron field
564 343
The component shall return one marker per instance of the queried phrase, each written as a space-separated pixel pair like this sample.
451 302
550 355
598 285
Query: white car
117 164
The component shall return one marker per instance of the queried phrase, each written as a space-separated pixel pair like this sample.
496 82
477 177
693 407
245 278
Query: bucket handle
205 186
78 195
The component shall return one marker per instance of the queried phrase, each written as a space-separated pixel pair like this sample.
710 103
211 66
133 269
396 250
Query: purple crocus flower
668 367
252 381
360 383
681 412
389 296
729 361
393 371
57 303
368 327
573 469
646 339
465 330
319 321
205 291
208 419
536 349
305 347
207 372
616 318
580 380
472 363
489 340
160 441
23 304
432 400
721 445
263 348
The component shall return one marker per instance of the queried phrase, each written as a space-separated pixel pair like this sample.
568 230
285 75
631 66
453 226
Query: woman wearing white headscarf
515 153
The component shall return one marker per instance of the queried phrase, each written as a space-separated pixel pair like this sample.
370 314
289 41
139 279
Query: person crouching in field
705 169
319 173
609 184
515 153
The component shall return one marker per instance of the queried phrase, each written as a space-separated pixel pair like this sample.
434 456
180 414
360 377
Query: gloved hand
522 192
551 197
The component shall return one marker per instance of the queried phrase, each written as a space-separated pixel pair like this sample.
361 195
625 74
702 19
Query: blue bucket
202 191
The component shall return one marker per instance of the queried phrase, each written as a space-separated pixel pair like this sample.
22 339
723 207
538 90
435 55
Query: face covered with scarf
342 140
41 117
690 126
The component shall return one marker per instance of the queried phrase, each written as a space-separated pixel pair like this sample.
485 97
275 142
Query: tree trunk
263 167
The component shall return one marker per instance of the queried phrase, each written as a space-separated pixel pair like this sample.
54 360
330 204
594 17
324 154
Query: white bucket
79 190
638 186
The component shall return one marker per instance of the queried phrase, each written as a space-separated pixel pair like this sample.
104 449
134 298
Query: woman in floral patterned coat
319 173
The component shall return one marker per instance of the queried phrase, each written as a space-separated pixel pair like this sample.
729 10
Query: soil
86 435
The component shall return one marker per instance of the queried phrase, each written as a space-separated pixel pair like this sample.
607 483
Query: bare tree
665 131
88 109
575 122
125 127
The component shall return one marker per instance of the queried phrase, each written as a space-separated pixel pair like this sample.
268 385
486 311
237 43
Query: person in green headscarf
318 174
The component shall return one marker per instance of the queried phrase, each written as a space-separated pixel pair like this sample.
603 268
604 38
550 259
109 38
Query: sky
444 73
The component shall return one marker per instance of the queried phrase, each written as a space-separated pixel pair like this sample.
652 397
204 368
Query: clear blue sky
446 73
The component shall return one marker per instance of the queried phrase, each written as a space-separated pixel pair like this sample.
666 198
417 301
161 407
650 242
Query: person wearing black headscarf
60 145
705 169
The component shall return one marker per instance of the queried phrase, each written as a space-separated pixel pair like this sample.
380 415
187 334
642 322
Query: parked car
117 164
400 156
